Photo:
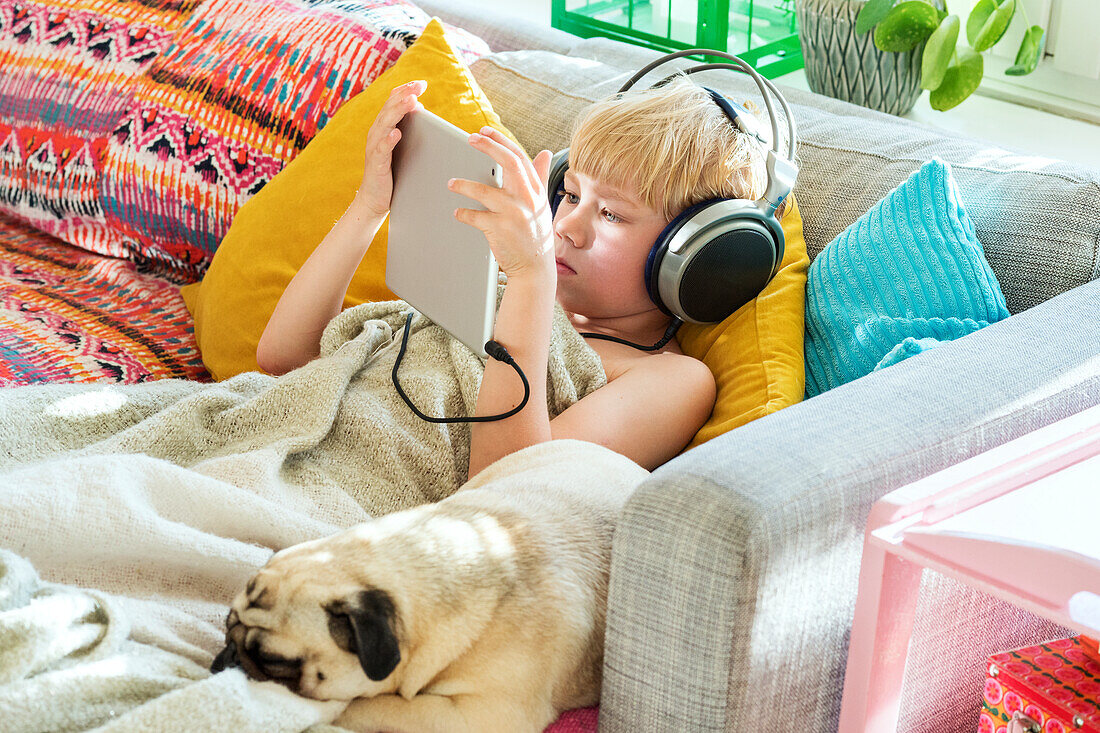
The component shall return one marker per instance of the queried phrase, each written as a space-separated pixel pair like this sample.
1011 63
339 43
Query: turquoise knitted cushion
907 275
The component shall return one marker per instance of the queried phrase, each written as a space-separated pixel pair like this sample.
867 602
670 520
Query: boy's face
602 237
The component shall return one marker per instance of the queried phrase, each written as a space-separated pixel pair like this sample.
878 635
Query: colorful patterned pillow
242 88
67 69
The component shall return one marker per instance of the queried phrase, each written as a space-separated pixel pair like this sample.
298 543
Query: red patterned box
1049 688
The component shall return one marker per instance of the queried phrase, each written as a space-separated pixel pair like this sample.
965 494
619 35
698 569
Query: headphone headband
766 87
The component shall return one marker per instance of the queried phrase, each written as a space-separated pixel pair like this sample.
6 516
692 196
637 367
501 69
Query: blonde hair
672 146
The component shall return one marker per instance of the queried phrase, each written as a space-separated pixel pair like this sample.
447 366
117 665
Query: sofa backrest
1036 217
503 32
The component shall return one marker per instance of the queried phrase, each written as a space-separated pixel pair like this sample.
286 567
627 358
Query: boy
636 161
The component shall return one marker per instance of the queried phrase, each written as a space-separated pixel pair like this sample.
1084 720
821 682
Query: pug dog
483 612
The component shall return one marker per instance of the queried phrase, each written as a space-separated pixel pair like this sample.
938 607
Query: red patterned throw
67 315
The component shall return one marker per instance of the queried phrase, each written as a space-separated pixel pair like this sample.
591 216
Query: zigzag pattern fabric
66 70
68 315
906 275
244 86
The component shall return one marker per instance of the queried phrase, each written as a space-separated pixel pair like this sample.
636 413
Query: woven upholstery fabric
907 273
244 86
502 34
68 315
735 567
941 697
1036 217
66 73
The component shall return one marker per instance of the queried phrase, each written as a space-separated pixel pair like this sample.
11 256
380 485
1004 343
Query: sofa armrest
735 566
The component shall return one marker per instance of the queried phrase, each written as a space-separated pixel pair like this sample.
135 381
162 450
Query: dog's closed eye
339 627
279 668
259 597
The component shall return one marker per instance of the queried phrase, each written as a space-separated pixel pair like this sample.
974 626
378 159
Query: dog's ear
363 624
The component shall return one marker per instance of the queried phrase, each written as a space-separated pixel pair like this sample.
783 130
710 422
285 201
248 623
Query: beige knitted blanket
337 422
167 496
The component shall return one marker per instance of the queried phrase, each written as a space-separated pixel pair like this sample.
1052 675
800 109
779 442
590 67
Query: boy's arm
523 327
647 414
316 293
516 223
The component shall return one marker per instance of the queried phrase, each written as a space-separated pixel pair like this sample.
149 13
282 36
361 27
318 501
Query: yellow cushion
277 229
756 354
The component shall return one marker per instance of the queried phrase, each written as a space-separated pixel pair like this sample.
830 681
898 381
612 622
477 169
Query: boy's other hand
376 190
517 217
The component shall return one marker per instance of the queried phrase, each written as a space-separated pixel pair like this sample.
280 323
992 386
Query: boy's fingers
511 164
499 137
387 143
491 197
542 165
401 106
402 99
417 86
379 150
476 219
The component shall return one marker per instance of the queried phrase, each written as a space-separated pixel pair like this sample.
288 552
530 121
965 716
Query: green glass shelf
762 32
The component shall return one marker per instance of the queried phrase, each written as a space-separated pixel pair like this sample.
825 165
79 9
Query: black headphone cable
498 352
673 327
493 349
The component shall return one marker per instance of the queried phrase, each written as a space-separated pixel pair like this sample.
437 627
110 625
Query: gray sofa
735 565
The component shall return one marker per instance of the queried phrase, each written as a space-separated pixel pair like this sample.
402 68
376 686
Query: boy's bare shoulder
651 407
669 363
672 380
693 373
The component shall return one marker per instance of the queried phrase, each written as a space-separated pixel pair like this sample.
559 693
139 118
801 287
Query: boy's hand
376 190
517 220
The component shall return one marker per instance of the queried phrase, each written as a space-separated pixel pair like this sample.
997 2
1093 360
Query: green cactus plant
949 71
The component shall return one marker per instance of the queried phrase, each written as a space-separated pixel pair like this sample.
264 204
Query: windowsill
1003 123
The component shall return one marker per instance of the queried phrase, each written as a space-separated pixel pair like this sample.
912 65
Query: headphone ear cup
555 181
657 254
712 259
653 267
725 272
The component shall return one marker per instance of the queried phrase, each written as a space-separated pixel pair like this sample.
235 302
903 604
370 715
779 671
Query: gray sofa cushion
502 34
850 158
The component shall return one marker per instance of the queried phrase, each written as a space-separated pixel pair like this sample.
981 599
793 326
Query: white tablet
440 266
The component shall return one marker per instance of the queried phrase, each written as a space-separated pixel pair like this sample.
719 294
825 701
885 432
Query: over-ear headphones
717 255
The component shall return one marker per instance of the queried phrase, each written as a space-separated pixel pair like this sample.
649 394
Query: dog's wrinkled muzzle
239 652
227 658
234 637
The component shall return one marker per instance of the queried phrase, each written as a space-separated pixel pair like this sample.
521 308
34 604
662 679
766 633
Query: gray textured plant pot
847 66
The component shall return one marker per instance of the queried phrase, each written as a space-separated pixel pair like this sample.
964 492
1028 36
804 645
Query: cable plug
498 352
